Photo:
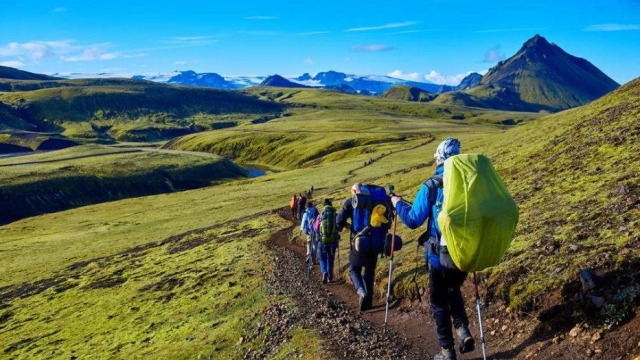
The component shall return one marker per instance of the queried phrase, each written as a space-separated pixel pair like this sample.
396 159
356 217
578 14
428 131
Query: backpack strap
433 183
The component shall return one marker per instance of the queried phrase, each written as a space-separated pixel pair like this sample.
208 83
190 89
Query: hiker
328 240
445 279
302 201
306 225
311 191
294 206
360 260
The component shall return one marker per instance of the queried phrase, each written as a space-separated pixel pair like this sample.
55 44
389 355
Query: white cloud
13 64
309 61
434 77
494 55
64 50
371 48
612 27
59 10
386 26
179 62
260 33
347 58
508 30
414 76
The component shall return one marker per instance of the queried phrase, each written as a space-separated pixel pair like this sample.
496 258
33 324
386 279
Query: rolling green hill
124 109
11 73
408 93
540 76
54 181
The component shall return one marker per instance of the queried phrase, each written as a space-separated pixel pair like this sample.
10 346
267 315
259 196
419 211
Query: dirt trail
411 322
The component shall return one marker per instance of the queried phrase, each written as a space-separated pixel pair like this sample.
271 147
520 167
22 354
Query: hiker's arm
345 213
414 216
303 222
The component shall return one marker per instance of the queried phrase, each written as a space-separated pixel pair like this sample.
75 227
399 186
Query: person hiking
306 225
445 279
311 191
361 257
328 240
302 201
294 206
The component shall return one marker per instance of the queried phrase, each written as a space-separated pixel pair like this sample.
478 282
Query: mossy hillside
39 183
408 93
572 175
193 295
333 100
38 141
128 100
312 137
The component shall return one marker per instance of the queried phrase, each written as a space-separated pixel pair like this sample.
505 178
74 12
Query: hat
449 147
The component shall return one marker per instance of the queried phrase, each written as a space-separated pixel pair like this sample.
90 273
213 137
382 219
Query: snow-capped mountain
363 84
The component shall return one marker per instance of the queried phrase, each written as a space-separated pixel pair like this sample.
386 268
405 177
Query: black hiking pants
446 302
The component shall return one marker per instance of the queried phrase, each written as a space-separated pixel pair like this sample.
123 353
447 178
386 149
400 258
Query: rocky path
331 310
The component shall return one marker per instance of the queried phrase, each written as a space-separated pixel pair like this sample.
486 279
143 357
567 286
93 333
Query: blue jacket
414 216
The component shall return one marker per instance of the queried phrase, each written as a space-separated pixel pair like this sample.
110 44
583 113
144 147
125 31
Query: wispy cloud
190 40
371 48
612 27
260 18
63 50
411 31
312 33
13 64
260 33
309 61
179 62
507 30
59 10
386 26
494 55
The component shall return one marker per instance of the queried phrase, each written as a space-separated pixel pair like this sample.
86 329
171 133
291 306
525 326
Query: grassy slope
117 103
554 167
45 182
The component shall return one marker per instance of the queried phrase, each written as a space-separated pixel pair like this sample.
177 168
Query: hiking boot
361 303
325 278
446 354
467 343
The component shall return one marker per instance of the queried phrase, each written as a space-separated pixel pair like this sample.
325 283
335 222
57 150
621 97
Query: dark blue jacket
414 216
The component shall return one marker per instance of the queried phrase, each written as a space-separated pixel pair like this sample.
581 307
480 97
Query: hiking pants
360 281
327 253
312 245
446 302
293 212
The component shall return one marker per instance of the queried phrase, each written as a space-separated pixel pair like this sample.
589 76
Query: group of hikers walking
298 203
461 235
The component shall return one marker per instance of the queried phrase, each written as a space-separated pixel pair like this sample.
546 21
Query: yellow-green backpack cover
478 216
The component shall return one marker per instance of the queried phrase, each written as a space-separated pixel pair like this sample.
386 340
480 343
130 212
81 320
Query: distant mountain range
365 84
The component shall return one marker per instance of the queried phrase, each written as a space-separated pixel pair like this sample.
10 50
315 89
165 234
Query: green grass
565 171
83 175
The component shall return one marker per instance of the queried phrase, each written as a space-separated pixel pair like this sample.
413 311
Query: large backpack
478 216
372 216
327 227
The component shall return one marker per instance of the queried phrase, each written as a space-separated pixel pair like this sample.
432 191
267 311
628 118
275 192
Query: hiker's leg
369 277
322 251
454 279
438 296
331 256
355 272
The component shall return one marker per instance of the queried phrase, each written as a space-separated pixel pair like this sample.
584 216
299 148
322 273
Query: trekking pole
482 341
337 248
393 239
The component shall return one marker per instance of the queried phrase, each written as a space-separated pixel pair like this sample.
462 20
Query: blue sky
426 40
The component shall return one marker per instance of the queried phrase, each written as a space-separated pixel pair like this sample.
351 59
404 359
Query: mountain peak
536 43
